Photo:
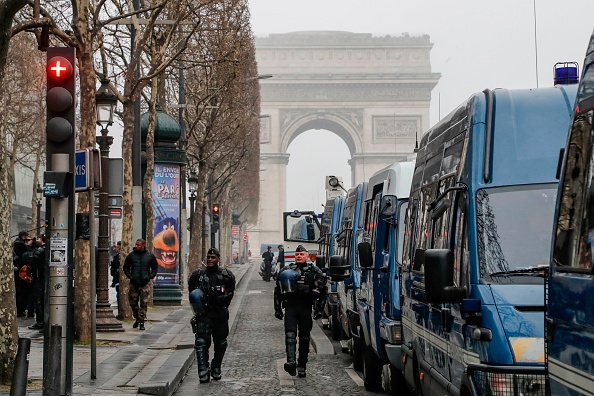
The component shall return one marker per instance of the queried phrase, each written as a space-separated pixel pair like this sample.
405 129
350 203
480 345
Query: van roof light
565 73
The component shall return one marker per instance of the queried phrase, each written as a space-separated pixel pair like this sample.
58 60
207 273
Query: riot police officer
299 286
211 290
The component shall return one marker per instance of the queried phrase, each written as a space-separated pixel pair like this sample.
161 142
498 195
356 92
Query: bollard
52 385
21 368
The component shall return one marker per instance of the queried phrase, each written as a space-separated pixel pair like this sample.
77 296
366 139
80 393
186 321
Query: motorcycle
273 270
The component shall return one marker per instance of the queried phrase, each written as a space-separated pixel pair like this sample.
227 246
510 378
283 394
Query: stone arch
330 121
373 92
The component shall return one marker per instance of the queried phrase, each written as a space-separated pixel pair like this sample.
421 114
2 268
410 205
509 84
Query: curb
321 344
178 364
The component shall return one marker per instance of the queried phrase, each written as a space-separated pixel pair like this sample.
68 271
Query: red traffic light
59 68
215 208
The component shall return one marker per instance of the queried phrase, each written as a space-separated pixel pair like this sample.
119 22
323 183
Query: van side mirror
365 254
320 262
338 267
311 232
389 205
439 274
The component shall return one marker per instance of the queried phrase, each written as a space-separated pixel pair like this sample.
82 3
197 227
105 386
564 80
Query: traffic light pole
58 188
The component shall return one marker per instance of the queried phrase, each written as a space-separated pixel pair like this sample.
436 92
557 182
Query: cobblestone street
254 360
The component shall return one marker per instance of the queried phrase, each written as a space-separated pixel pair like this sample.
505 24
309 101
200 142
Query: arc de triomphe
373 92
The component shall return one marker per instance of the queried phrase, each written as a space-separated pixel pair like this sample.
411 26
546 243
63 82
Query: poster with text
166 204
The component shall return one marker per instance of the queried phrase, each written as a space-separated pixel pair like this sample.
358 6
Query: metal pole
21 368
93 286
106 320
192 200
52 382
38 225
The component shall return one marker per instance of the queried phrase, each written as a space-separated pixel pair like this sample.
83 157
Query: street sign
82 180
87 175
114 213
234 230
112 201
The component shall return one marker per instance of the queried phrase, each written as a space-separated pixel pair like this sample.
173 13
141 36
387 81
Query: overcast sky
478 44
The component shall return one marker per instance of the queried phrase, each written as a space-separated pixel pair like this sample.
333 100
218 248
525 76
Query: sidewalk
131 362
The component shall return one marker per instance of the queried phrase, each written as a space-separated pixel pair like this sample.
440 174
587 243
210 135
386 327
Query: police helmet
197 301
287 281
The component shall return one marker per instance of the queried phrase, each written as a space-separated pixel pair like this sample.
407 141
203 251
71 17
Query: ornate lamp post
106 102
193 185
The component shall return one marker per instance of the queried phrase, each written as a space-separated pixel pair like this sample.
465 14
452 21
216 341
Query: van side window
409 240
441 225
575 228
461 244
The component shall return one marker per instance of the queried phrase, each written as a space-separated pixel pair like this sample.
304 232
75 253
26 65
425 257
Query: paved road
255 356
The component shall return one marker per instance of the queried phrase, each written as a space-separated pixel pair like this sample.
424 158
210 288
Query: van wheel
418 391
397 383
335 326
357 354
372 370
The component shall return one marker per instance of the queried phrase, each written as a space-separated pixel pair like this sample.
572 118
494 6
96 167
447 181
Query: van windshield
514 229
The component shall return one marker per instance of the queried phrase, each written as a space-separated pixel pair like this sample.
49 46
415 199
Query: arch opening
309 164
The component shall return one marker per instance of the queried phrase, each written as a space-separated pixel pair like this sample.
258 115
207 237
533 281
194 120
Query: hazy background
478 44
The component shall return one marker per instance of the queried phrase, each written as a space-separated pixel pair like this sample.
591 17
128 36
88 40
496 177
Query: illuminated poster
166 200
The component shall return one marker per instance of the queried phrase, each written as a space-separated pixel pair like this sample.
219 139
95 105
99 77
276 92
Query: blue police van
477 244
347 272
570 292
329 228
380 252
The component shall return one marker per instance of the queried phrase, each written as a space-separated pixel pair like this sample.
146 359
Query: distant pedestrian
299 286
38 284
22 280
268 256
114 270
211 290
280 261
140 267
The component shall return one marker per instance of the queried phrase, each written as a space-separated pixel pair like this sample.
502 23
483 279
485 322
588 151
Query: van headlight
507 384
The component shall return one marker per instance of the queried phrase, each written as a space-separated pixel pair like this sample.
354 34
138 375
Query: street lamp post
193 184
39 195
106 102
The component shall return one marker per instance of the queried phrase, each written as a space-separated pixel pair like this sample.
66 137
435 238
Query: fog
478 44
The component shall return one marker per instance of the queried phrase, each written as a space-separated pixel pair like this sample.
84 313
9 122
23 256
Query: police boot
291 345
202 359
215 365
303 354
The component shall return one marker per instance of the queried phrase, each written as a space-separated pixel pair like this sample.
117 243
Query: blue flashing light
566 73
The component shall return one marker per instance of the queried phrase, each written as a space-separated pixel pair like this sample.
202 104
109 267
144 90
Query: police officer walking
211 290
268 256
299 286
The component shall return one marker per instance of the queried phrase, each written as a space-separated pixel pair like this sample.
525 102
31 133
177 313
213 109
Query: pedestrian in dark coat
268 256
140 267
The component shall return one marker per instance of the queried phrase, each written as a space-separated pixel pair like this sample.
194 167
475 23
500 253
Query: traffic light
60 101
216 211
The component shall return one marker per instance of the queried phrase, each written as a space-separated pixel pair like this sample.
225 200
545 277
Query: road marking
354 376
254 291
285 378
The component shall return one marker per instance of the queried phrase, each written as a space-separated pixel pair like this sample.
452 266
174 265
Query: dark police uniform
298 287
212 318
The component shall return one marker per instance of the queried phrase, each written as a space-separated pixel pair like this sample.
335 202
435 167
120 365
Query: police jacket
217 284
140 267
310 287
268 257
114 269
38 264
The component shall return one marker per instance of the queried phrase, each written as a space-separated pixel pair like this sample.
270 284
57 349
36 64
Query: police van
476 244
570 302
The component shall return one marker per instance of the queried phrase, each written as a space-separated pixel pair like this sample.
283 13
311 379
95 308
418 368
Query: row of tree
144 47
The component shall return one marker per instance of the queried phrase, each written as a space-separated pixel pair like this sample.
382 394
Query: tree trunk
8 328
